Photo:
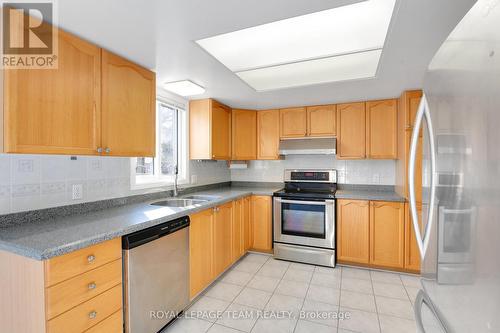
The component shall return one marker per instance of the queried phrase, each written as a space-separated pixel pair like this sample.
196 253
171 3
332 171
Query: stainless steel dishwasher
156 275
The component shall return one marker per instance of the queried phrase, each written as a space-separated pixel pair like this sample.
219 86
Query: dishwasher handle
150 234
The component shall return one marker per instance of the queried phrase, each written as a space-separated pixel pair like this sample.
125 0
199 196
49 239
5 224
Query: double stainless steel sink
187 201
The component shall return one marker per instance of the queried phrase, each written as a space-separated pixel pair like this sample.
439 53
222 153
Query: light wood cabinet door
381 129
321 120
247 225
412 253
222 237
55 111
221 131
353 231
387 230
128 107
237 242
293 122
351 131
244 134
201 246
268 134
411 101
262 222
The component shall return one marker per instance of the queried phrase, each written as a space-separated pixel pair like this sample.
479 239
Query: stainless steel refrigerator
460 235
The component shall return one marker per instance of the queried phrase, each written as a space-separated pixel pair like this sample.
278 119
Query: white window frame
157 180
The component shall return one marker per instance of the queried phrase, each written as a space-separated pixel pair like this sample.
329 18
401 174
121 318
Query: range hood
309 146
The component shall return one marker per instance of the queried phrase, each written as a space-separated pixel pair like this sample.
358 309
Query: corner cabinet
94 103
209 130
268 134
128 108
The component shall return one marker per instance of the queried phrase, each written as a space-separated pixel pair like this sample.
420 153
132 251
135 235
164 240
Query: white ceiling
160 35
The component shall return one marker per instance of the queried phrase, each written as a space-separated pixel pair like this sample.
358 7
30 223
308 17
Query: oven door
304 222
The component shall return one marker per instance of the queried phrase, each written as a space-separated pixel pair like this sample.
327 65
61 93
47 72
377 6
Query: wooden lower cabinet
247 224
201 251
412 253
262 222
72 293
353 231
237 239
222 238
387 234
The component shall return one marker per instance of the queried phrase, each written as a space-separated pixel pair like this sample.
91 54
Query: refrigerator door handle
423 112
421 299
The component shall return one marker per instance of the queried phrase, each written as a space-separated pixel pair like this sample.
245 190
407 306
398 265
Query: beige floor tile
304 326
248 266
279 303
207 308
318 312
274 325
356 273
326 280
216 328
390 290
255 257
394 307
224 291
385 277
237 277
264 283
323 294
253 297
412 293
411 280
240 317
292 288
293 274
360 321
390 324
357 285
329 270
302 266
188 325
357 301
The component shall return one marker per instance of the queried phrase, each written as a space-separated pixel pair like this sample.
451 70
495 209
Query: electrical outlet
194 179
77 191
25 166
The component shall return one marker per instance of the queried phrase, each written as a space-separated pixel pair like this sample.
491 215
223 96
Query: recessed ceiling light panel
184 88
343 31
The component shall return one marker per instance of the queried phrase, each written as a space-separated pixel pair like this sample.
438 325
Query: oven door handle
303 202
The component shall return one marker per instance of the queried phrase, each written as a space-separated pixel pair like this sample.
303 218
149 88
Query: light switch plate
77 191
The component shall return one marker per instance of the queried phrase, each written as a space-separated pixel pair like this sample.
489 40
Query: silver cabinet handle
421 299
91 258
92 286
92 314
107 150
99 150
422 240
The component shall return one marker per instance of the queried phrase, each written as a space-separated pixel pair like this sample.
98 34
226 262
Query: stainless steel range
304 217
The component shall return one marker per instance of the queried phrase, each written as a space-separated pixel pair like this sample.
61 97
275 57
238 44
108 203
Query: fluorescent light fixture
346 31
340 68
184 88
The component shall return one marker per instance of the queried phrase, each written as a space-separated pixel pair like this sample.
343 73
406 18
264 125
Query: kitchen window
171 150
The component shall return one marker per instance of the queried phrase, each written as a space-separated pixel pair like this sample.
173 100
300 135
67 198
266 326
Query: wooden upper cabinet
321 120
128 107
410 100
353 231
244 134
201 246
351 131
387 231
268 134
209 130
293 122
56 111
381 129
262 222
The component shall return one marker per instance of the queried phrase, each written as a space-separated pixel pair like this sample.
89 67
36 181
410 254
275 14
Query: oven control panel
308 175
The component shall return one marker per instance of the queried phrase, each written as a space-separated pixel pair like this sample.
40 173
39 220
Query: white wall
380 172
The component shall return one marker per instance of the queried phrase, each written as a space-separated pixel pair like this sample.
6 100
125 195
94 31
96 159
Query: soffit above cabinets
343 43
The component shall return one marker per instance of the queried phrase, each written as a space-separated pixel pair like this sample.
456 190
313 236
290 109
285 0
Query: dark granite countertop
368 192
44 239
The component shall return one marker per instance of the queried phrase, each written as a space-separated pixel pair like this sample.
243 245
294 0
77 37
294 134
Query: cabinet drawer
87 314
112 324
72 264
81 288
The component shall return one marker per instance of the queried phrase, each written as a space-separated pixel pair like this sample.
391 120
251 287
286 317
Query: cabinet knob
92 314
99 150
92 286
107 150
91 258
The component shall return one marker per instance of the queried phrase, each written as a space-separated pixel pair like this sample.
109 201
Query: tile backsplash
380 172
30 182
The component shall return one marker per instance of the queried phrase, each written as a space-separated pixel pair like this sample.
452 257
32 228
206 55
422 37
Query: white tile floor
375 301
